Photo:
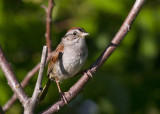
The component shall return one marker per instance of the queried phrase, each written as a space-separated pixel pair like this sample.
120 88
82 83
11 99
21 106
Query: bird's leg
60 92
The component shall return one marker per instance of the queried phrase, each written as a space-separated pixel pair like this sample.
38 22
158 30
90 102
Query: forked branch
29 109
24 83
48 43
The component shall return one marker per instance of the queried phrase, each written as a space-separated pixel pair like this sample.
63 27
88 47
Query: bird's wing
55 56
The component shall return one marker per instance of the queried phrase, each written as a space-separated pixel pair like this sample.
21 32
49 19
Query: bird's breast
72 61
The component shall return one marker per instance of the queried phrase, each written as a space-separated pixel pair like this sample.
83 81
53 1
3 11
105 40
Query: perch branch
48 23
11 78
77 87
33 101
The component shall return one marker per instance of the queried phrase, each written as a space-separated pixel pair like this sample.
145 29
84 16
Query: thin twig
24 83
76 88
48 23
38 88
44 7
11 78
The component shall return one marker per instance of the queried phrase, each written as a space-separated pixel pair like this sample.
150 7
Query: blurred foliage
127 83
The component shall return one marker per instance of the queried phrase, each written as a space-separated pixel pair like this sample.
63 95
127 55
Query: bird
68 58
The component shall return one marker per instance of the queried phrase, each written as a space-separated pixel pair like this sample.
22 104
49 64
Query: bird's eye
74 33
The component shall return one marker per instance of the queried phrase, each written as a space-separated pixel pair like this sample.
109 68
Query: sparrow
69 57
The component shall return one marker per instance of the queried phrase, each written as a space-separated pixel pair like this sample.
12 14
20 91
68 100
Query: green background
128 83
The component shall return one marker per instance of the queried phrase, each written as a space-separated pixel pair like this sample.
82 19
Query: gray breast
72 61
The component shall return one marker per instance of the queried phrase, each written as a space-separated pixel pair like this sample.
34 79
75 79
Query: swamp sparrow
69 57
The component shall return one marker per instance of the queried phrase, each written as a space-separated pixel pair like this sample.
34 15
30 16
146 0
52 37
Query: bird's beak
84 34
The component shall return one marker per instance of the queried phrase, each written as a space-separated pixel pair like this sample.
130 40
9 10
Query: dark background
129 82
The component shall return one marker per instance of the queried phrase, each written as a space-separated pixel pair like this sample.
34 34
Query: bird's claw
64 98
88 73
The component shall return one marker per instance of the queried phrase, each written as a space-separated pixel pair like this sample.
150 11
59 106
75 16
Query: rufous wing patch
55 57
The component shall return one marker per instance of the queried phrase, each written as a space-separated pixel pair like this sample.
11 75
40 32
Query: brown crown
79 28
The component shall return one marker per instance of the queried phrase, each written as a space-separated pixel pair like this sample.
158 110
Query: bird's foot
88 73
63 97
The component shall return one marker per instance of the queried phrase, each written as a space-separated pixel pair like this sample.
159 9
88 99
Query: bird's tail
45 90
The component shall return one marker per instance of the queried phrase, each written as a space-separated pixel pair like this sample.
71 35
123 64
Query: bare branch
40 76
29 109
35 69
10 102
76 88
48 23
11 78
24 83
